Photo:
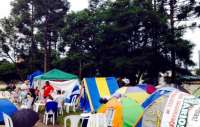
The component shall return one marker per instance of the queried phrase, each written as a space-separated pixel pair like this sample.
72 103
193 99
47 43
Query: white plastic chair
7 120
74 120
97 120
72 104
46 117
109 116
50 111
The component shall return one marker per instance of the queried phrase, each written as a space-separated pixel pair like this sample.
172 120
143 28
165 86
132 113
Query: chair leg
46 122
44 118
67 108
53 119
74 108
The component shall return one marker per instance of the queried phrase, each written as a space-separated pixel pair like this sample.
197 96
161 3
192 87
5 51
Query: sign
182 110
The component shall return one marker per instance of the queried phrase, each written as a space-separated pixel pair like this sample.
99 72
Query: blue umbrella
7 107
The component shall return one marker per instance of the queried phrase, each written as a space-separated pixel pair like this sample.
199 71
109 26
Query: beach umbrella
7 107
25 118
137 93
123 112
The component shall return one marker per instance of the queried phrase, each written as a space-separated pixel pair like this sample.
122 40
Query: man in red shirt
48 89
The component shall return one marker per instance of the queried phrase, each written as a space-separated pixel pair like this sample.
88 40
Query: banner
181 110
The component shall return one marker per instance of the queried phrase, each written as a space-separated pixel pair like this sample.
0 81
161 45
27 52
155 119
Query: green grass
60 118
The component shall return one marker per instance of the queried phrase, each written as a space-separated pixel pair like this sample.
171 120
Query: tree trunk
173 54
46 47
32 54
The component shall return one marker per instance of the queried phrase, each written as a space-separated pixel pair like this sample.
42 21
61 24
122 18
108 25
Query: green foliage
116 38
7 71
198 72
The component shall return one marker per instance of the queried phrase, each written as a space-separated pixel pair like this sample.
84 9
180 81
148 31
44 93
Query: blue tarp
34 74
7 107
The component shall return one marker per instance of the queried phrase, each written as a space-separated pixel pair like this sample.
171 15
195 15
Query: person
48 89
24 86
60 100
37 92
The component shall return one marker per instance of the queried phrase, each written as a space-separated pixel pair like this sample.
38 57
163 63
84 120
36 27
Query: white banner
181 110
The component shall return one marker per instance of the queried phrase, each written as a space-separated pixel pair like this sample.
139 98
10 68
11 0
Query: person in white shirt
60 100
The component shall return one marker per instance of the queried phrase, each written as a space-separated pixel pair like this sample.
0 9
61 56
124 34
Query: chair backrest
7 120
73 101
52 105
97 120
74 120
109 116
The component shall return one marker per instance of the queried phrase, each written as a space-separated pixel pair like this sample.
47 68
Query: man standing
48 89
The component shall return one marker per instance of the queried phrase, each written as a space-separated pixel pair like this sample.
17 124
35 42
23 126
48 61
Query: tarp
34 74
67 86
7 107
56 74
96 88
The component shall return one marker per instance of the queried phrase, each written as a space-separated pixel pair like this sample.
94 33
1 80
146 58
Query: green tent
56 74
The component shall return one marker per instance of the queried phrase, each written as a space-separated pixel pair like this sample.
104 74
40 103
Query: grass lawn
60 118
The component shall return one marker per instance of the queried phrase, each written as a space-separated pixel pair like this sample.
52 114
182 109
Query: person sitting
60 100
49 99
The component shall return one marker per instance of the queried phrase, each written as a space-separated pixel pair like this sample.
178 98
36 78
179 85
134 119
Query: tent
169 107
123 112
31 76
7 107
95 88
59 80
56 74
139 92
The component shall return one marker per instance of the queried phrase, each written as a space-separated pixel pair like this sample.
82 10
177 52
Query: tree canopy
131 38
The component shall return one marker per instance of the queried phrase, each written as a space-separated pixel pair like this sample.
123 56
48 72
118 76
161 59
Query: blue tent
96 88
7 107
157 94
34 74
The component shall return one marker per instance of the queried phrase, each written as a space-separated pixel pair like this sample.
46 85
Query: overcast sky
192 35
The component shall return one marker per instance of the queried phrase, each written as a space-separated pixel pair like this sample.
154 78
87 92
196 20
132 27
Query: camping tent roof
56 74
97 88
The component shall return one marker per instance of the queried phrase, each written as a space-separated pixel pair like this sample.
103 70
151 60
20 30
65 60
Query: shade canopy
56 74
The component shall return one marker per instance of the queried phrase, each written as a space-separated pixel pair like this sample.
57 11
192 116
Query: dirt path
41 124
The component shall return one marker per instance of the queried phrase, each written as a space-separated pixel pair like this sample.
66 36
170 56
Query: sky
76 5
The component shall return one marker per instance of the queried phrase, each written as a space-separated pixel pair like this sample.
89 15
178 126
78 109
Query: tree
11 46
40 21
23 13
179 10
